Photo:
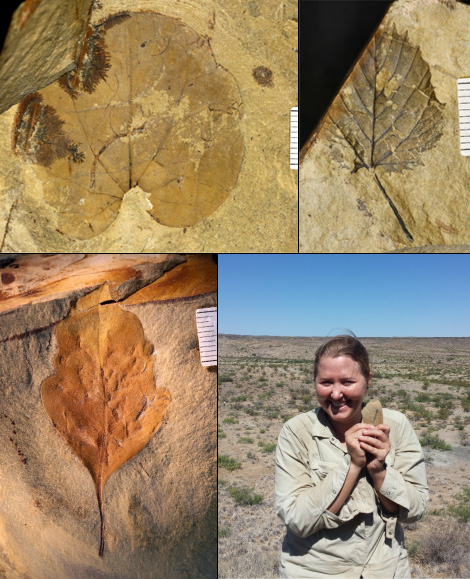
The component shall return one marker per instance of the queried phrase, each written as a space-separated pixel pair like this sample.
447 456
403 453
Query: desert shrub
230 420
240 398
443 413
267 446
223 533
421 397
302 396
466 404
245 440
461 509
221 434
244 496
225 378
433 441
412 548
446 545
280 384
437 512
225 461
422 412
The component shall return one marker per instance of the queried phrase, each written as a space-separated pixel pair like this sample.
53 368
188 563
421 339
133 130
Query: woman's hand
375 441
357 454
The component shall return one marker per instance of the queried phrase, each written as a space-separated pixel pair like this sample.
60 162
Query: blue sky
371 295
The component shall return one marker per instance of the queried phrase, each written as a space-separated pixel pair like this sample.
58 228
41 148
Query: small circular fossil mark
7 278
263 76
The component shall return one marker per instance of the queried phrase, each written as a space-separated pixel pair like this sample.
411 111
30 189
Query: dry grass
263 381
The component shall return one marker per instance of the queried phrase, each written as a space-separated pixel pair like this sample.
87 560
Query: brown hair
344 345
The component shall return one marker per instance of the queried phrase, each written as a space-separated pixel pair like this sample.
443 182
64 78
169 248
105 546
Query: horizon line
324 337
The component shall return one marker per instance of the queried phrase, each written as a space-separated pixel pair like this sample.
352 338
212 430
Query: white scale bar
294 138
463 92
206 320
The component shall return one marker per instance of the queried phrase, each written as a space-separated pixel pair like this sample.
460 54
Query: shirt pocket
319 469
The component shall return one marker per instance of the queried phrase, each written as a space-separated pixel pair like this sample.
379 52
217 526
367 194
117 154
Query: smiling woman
342 486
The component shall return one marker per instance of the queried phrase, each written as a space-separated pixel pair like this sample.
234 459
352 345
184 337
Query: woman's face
341 388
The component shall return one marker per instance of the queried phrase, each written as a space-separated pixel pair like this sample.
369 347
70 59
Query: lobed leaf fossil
387 111
148 105
102 397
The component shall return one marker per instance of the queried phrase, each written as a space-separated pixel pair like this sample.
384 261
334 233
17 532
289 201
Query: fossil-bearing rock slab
383 170
161 504
168 131
56 30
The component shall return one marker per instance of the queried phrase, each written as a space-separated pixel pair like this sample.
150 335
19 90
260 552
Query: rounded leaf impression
148 105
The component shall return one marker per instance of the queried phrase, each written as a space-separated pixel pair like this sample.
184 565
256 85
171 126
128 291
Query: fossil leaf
102 397
387 111
148 106
372 413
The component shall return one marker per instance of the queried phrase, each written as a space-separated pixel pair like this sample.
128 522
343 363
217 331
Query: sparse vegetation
446 546
230 420
426 379
225 461
461 509
244 496
433 441
267 446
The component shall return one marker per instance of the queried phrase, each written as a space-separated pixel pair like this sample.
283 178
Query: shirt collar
322 427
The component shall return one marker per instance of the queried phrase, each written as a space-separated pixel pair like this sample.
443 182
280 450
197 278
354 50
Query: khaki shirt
362 539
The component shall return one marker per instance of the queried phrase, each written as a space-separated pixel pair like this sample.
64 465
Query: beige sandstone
187 165
402 143
160 505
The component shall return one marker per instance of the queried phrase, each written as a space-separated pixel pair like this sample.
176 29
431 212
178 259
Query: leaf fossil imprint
102 397
148 105
387 111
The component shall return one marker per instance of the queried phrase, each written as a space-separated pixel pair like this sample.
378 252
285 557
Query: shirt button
334 492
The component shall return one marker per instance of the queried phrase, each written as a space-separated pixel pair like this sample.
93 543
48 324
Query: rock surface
245 199
383 170
161 505
56 30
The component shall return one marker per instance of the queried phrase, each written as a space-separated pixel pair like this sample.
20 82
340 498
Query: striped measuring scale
463 92
206 320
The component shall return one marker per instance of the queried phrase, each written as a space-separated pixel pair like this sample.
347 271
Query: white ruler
463 91
294 138
206 320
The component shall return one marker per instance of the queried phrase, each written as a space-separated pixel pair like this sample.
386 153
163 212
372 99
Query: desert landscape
265 380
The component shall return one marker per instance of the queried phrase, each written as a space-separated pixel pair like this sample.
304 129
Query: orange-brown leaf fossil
102 397
148 105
